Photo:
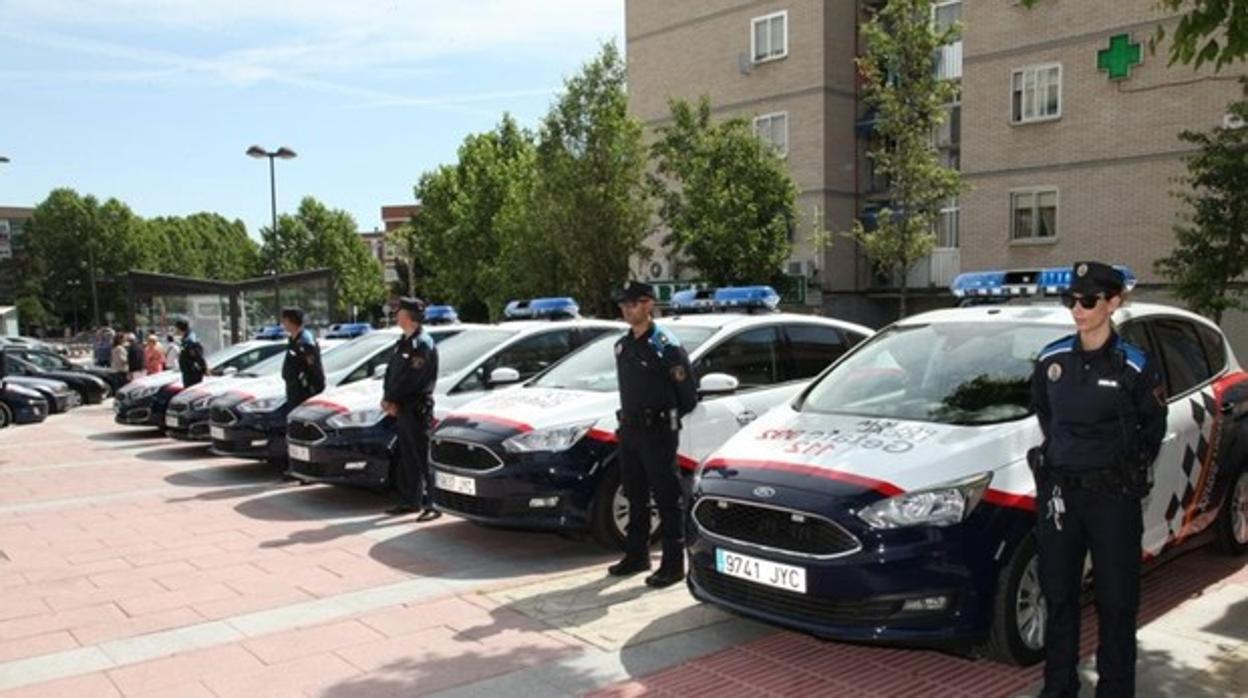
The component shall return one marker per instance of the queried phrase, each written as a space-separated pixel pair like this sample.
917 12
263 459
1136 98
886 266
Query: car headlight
140 393
267 404
940 506
356 418
551 440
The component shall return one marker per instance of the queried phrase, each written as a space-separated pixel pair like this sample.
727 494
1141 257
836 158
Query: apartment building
1065 128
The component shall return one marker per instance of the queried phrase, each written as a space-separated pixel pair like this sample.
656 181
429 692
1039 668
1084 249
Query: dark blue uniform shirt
412 372
302 369
654 373
1098 409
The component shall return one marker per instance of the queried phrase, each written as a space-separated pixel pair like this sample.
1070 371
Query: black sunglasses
1088 302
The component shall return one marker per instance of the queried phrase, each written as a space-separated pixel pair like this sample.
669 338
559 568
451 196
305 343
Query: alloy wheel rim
619 513
1239 509
1029 608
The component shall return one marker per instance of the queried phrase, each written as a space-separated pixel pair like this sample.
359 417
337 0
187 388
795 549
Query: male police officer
657 389
302 369
191 359
1102 408
408 397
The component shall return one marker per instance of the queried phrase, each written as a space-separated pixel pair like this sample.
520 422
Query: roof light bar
1052 281
549 308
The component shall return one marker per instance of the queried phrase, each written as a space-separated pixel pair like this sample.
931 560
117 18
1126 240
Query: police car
143 401
247 419
342 437
891 500
544 455
19 405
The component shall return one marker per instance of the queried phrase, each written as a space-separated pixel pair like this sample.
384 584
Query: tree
899 78
590 205
1210 31
726 198
1212 250
317 236
204 245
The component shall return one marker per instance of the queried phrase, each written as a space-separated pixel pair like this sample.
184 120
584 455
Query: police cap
414 306
1091 278
634 291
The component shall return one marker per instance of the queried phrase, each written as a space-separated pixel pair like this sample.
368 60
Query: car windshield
459 351
950 373
51 362
273 364
593 367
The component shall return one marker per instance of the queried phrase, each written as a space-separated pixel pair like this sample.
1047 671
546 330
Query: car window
584 335
1183 355
750 357
369 368
44 361
1137 333
811 348
1215 348
528 356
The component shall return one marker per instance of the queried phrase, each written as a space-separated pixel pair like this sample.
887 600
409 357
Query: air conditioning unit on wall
1230 121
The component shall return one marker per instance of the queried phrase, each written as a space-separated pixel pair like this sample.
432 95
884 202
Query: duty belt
648 418
1099 479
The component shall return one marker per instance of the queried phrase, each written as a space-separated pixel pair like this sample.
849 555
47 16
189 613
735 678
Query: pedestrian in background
103 347
117 359
153 355
134 356
171 353
191 360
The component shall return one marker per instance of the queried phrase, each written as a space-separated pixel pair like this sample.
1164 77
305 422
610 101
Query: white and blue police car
341 436
891 501
543 456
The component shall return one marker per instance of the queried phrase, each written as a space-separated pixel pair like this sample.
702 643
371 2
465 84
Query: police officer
191 359
1102 409
408 397
302 369
657 389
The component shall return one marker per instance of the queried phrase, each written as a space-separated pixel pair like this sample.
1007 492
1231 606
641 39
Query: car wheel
609 522
1018 617
6 416
1232 526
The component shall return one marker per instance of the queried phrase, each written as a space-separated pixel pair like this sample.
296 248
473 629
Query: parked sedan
20 405
60 397
91 388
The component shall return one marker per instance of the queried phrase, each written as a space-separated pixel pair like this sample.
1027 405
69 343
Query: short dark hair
182 324
295 315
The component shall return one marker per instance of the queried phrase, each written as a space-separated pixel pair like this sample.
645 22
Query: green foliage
726 198
899 78
202 245
1211 254
317 236
1210 31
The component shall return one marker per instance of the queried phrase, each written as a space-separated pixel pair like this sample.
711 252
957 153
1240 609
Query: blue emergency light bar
348 330
441 315
542 308
271 332
728 298
1052 281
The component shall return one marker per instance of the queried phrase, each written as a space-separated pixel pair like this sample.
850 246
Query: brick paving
132 566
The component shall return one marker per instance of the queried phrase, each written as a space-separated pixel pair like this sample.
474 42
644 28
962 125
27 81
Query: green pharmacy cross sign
1120 57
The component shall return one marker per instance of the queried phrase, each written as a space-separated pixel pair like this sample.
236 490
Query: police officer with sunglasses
1102 409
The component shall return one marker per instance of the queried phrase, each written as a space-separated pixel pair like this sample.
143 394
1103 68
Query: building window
773 130
1033 214
947 224
769 37
1036 94
945 15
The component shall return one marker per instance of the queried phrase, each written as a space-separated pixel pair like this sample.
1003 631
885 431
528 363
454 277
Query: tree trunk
903 287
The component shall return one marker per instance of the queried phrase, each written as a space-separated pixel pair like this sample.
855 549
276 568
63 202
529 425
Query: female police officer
1102 409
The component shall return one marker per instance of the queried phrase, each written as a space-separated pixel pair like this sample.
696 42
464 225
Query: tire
1017 635
6 416
609 512
1232 524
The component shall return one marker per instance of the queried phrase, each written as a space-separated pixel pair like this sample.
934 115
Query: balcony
949 61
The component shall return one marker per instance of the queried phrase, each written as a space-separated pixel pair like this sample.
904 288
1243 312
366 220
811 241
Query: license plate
217 433
298 453
171 420
455 483
759 571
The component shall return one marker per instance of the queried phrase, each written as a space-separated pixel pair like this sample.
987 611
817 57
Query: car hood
361 395
11 388
72 377
50 384
530 409
830 453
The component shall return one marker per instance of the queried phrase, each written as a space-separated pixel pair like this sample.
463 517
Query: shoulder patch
1061 346
661 339
305 336
424 338
1136 358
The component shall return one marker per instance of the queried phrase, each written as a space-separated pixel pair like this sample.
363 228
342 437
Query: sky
154 102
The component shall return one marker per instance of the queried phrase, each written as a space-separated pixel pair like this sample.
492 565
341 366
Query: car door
1184 456
752 356
528 356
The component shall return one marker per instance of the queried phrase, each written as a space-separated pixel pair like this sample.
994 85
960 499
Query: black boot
629 566
672 570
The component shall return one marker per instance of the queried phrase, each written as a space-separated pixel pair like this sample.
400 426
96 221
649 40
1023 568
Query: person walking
408 398
1101 406
153 355
657 389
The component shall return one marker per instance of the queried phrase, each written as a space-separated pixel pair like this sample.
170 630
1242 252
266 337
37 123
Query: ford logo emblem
764 492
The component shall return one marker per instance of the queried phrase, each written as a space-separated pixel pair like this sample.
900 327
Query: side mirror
380 370
718 384
229 371
504 376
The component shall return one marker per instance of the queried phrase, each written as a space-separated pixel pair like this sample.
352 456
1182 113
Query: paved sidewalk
135 566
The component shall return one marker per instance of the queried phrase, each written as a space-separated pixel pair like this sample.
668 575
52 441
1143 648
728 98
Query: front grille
777 529
222 416
304 432
799 607
470 506
178 407
464 456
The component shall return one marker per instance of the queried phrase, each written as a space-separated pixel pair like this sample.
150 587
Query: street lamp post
284 153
